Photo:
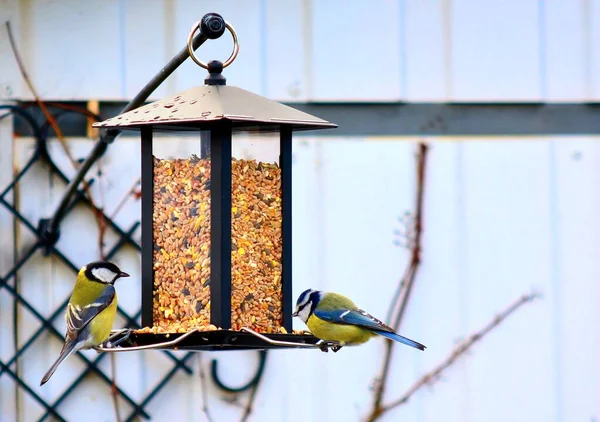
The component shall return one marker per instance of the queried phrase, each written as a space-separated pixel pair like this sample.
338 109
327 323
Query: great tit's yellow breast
337 332
101 325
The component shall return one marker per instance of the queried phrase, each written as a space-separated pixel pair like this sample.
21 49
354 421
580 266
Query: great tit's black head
307 303
103 272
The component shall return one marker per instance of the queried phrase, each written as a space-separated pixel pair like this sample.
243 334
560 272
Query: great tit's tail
400 339
68 348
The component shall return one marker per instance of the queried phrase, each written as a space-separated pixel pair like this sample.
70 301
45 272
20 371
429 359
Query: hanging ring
234 53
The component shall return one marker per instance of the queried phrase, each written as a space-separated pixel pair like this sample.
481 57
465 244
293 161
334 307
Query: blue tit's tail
68 348
400 339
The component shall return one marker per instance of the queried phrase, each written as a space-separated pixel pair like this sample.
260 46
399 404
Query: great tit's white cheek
104 274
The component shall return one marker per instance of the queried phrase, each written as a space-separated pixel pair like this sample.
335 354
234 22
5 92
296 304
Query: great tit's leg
110 343
336 348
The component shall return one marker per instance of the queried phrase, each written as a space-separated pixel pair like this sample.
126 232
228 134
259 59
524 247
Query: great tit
91 310
335 318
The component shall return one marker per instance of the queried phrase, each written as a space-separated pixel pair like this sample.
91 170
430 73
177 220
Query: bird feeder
216 177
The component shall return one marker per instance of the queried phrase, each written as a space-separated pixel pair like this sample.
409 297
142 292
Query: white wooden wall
316 50
502 215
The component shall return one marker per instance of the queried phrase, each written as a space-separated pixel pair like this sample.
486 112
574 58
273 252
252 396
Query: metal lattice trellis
48 247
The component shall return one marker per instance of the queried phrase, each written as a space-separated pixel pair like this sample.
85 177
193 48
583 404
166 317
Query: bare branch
204 389
252 398
113 387
402 295
56 128
39 102
461 349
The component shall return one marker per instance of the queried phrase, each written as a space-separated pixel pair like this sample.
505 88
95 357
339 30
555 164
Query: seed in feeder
181 220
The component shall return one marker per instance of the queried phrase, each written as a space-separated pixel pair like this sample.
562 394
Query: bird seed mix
182 246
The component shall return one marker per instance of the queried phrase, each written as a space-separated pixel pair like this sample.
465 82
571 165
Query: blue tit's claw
324 346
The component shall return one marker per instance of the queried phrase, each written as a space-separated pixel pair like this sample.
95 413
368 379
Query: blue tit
91 310
335 318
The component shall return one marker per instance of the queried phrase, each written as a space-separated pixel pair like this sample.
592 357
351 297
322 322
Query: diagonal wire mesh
125 239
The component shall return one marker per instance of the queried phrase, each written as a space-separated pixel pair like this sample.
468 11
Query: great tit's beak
295 314
123 274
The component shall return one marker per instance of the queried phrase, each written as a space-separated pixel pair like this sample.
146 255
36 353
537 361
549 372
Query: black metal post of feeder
217 112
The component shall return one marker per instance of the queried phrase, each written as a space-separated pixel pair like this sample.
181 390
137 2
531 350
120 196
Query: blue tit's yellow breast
101 325
337 332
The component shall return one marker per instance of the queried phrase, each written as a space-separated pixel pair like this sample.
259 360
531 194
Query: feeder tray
247 339
217 340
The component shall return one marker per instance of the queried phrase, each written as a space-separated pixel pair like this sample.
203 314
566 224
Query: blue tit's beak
123 274
295 314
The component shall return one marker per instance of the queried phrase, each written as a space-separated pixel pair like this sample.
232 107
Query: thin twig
39 102
113 387
250 404
99 212
123 200
51 121
204 389
461 349
403 293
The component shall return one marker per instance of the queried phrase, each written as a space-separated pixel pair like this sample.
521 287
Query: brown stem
49 117
402 295
204 389
461 349
250 404
39 102
123 200
113 387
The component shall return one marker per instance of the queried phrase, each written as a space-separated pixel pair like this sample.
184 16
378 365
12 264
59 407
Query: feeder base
210 340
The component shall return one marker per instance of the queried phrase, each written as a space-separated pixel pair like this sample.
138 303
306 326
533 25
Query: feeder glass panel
181 231
256 232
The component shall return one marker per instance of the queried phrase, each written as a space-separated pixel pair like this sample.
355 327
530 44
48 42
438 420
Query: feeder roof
201 107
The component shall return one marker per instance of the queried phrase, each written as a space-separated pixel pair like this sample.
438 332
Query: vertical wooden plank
508 247
495 51
147 25
355 51
10 79
426 67
564 50
8 394
36 283
436 310
307 266
365 187
86 69
284 61
245 17
593 48
578 233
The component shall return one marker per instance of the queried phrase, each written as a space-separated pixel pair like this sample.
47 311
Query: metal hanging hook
198 26
262 355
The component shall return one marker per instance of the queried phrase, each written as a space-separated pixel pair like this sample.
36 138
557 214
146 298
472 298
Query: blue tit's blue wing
352 317
363 319
401 339
78 317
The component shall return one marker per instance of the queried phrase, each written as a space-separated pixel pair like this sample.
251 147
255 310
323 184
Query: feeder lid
201 107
